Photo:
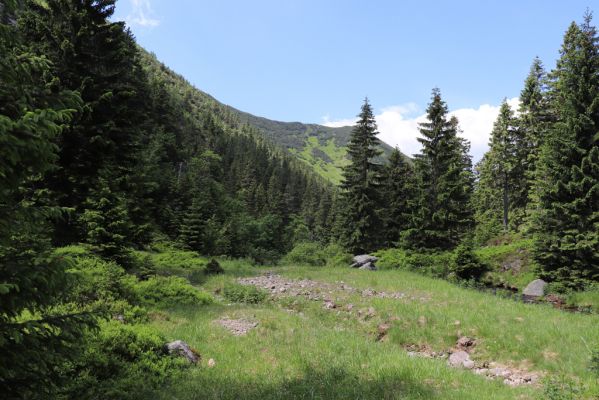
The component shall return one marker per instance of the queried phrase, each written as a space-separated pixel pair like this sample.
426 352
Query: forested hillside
131 203
322 147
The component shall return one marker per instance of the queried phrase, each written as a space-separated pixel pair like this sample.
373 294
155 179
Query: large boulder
534 289
368 266
363 259
182 349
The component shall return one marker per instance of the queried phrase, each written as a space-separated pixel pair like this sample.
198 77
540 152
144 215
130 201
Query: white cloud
142 14
399 127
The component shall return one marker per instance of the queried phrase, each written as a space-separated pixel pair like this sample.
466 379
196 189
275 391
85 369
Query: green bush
560 388
100 283
120 362
392 259
466 265
244 293
142 265
170 291
214 268
336 256
173 260
313 254
306 253
431 264
595 362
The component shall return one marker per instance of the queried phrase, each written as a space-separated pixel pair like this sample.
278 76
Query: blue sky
315 60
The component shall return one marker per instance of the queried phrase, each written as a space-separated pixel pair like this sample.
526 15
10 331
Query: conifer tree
567 217
503 163
444 182
398 197
534 117
35 335
97 58
106 223
361 181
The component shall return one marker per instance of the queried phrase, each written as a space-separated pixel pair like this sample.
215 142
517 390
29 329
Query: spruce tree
504 164
398 197
534 117
97 58
567 217
361 181
444 182
35 334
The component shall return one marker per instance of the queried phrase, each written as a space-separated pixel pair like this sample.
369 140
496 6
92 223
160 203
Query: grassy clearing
300 350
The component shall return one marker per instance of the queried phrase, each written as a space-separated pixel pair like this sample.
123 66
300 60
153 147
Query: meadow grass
300 350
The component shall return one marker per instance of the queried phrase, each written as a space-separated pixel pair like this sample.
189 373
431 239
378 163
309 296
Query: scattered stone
458 358
371 312
368 293
382 330
534 289
349 307
422 320
500 372
465 342
468 364
314 290
237 327
182 349
329 305
211 363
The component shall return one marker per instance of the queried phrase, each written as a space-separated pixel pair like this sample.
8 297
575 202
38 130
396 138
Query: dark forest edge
116 173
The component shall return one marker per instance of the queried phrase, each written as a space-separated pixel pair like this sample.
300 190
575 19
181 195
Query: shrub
171 259
170 291
561 388
336 256
313 254
244 293
595 362
392 259
466 265
100 282
306 253
120 362
213 268
142 265
431 264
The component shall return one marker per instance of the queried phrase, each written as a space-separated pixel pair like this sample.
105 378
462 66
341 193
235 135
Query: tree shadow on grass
331 383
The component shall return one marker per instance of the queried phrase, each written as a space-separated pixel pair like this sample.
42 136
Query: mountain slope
321 147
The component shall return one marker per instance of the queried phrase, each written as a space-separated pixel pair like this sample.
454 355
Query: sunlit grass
300 350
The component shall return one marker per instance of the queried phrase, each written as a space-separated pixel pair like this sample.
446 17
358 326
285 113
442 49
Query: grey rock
368 266
182 349
362 259
535 288
459 358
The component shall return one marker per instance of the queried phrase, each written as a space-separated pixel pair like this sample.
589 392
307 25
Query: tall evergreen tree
361 182
534 116
503 163
398 197
444 182
35 335
566 221
96 57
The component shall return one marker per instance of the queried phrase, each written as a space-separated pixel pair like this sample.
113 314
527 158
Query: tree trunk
505 203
